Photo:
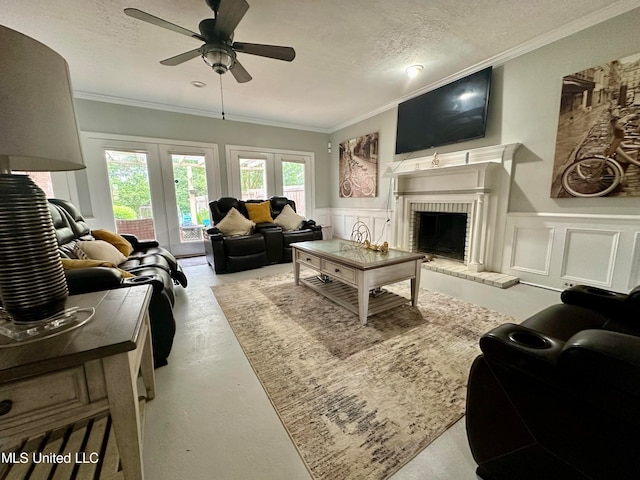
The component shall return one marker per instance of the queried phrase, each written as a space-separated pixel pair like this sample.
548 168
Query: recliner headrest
278 203
76 220
219 208
64 232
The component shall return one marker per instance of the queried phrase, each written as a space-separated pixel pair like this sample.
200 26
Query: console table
358 271
84 377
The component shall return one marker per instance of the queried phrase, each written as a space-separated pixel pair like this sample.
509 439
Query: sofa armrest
520 347
137 244
92 279
603 301
214 232
309 224
265 226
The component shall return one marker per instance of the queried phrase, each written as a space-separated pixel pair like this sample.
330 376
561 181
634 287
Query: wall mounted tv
449 114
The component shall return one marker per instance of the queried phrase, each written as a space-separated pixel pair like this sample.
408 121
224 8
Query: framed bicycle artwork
599 132
358 167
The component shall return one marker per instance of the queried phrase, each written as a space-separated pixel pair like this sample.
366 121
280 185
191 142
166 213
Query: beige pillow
289 219
235 224
101 250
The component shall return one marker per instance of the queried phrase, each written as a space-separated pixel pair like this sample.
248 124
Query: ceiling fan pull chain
221 97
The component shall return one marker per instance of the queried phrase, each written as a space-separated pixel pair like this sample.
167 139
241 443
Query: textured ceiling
351 54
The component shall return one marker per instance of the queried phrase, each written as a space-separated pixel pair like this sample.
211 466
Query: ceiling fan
219 49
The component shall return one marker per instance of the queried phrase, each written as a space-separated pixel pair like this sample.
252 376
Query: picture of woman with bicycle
599 132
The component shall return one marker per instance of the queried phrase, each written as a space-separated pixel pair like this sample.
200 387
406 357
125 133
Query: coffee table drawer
307 258
339 271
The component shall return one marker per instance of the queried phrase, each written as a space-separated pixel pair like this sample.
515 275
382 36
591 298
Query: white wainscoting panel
377 221
589 256
532 249
557 250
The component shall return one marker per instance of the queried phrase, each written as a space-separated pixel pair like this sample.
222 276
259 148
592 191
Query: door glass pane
190 178
253 178
130 193
293 184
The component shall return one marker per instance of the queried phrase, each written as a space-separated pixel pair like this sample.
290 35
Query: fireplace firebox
442 233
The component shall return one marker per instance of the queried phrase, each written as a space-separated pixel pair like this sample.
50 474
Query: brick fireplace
471 182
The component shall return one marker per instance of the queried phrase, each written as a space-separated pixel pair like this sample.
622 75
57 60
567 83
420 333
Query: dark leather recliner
232 254
308 230
154 271
268 244
558 396
145 253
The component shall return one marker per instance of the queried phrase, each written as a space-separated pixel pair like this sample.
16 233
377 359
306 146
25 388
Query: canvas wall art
358 166
598 138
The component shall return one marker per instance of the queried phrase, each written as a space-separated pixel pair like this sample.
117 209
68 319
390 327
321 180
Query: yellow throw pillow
260 212
114 239
71 263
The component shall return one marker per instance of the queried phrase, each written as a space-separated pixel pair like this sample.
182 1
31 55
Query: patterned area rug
359 401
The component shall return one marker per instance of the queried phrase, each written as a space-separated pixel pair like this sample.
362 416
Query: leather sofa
267 243
153 267
558 396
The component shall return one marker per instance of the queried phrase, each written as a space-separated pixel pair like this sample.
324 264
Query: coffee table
352 276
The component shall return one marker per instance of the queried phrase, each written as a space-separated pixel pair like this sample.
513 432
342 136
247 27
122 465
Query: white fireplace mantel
476 159
479 177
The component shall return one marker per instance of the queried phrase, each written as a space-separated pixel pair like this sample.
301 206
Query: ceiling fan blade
183 57
239 73
228 16
147 17
272 51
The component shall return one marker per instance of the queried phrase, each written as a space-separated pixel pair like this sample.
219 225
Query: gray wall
125 120
524 106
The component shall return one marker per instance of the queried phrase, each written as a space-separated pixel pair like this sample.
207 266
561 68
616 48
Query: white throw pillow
101 250
234 224
288 219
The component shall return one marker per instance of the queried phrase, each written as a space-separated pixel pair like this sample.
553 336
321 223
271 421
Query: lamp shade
38 132
37 117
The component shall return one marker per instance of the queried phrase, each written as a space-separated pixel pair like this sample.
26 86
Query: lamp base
60 323
32 281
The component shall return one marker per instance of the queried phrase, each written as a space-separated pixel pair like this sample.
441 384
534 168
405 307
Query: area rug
359 401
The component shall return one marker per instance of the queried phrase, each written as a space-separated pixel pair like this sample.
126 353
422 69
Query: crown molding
192 111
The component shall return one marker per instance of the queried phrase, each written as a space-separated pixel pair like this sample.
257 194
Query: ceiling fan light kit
219 57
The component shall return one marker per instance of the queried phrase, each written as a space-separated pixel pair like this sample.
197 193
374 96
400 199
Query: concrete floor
211 419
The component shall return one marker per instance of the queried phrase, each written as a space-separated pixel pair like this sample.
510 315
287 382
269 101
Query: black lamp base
32 282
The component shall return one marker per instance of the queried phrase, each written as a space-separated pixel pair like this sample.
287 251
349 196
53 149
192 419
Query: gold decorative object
361 237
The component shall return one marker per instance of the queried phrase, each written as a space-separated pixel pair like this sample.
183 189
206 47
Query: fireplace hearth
442 234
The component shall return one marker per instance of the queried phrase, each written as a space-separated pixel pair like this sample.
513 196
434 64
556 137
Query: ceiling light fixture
198 84
414 70
219 57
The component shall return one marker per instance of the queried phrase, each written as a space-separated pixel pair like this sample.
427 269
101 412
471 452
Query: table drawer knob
5 407
308 259
337 270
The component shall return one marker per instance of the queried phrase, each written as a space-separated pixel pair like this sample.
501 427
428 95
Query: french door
262 173
154 190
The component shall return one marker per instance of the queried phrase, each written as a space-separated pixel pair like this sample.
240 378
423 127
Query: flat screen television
449 114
